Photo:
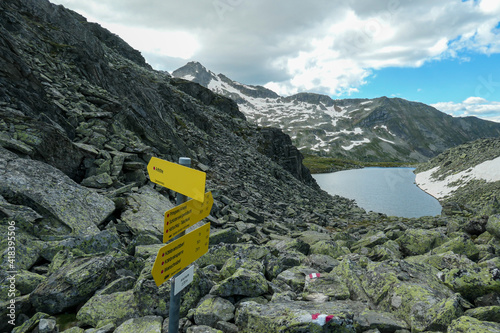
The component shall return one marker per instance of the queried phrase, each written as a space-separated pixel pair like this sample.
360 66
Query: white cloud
472 106
326 46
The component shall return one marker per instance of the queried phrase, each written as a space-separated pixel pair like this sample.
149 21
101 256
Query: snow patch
356 143
488 171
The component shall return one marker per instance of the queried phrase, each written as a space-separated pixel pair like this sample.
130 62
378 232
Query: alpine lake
391 191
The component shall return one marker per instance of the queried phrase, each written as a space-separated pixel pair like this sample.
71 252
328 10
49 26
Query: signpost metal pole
175 300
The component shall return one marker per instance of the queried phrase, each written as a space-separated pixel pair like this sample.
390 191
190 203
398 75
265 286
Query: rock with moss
331 286
242 283
32 323
145 211
212 310
330 248
370 241
460 245
473 283
228 236
420 241
485 313
148 324
104 241
294 278
441 261
493 225
27 281
321 262
28 248
467 324
233 264
386 251
202 329
67 207
113 308
73 283
289 244
339 316
311 237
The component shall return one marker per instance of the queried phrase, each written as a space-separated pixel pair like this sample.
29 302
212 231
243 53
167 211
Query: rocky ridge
81 114
465 190
368 130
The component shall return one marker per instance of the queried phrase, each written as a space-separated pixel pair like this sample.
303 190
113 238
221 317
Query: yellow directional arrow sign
176 255
178 178
179 218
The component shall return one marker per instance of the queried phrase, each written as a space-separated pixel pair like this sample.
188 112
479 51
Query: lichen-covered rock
290 245
145 211
467 324
420 241
233 264
103 241
493 225
242 283
459 245
473 283
114 308
443 313
294 278
330 248
27 281
228 236
212 310
339 316
66 206
31 324
446 260
485 313
370 241
388 250
202 329
321 262
148 324
73 283
27 248
329 285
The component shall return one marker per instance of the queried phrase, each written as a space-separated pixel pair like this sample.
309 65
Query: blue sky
444 53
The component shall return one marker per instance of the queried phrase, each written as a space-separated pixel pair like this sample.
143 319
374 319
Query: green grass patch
319 164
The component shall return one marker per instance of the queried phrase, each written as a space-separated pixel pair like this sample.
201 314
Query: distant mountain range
380 129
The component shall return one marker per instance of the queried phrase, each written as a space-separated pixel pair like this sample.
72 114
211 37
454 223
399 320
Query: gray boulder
148 324
243 283
67 207
113 308
74 283
146 211
213 310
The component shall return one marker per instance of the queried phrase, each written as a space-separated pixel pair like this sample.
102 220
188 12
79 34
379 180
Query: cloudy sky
444 53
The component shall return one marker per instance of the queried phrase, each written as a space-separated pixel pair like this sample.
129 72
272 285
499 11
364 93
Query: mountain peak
196 72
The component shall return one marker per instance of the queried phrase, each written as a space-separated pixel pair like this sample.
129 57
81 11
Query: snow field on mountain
488 171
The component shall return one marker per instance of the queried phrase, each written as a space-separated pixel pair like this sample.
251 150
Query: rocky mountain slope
466 179
381 129
81 114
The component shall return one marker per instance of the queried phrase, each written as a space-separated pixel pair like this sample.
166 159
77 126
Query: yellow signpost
178 254
179 218
178 178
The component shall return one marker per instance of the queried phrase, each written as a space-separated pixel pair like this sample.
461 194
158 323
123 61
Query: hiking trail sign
178 178
179 218
178 254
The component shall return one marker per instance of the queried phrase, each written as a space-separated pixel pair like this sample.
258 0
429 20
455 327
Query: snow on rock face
488 171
